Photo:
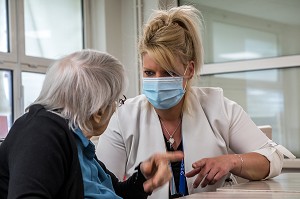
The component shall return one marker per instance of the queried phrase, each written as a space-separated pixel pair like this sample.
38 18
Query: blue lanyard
182 180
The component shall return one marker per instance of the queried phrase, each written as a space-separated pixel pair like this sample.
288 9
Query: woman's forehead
151 63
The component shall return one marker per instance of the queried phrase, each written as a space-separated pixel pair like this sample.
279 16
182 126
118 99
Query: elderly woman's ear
97 117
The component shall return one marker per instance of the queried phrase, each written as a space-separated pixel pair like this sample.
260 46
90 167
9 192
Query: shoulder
210 95
207 95
206 91
39 126
37 113
212 100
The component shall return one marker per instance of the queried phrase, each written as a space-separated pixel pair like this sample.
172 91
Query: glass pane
241 43
6 102
52 28
3 26
270 97
245 30
32 84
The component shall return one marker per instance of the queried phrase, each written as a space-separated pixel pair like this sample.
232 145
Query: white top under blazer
211 126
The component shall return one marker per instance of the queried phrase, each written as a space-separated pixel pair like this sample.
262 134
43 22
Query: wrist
140 179
240 163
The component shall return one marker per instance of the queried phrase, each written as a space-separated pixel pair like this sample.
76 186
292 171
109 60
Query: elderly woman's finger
173 156
157 169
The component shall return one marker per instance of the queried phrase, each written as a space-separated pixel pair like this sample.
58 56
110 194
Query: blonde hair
174 35
82 84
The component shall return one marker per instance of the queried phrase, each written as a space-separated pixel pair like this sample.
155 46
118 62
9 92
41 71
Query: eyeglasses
122 101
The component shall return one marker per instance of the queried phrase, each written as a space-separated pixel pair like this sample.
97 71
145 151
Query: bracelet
242 162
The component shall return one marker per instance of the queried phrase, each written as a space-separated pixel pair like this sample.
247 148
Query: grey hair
174 35
82 84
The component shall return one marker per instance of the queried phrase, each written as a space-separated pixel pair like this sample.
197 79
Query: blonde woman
171 115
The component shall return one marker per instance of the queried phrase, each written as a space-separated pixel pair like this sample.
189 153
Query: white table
242 195
285 182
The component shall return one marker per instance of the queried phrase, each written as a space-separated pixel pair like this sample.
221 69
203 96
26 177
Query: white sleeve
246 137
275 154
111 149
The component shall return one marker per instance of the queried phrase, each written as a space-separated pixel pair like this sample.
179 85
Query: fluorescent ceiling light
240 55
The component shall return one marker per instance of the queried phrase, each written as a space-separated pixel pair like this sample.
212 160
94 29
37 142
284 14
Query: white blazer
212 125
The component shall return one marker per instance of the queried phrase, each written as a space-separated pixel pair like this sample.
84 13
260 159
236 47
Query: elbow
275 165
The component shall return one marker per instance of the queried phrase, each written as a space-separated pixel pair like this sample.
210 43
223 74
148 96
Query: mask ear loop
182 77
185 70
185 78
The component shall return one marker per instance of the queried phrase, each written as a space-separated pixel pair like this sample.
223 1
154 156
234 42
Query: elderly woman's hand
157 169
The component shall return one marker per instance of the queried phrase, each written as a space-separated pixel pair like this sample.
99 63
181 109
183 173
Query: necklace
171 139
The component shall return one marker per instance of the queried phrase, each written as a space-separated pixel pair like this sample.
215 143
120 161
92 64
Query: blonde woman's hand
211 170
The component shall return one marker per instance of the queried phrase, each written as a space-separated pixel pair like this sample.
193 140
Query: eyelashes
149 73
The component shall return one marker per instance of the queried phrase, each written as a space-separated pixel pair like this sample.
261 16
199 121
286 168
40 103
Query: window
270 97
33 33
31 89
232 42
6 114
3 26
244 30
52 28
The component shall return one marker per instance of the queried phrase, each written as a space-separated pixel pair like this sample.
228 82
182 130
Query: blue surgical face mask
163 92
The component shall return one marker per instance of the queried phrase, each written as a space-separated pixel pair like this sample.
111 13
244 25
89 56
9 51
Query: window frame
248 65
17 61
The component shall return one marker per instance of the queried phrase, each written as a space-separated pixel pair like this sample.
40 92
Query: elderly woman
48 154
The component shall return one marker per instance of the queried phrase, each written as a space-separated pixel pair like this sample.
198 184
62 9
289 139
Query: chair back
266 129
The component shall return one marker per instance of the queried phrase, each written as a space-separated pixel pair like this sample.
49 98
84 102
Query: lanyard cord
182 190
182 180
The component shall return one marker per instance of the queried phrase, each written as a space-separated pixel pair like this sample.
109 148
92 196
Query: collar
88 147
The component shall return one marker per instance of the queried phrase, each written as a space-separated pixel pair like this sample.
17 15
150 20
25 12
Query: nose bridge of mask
162 83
